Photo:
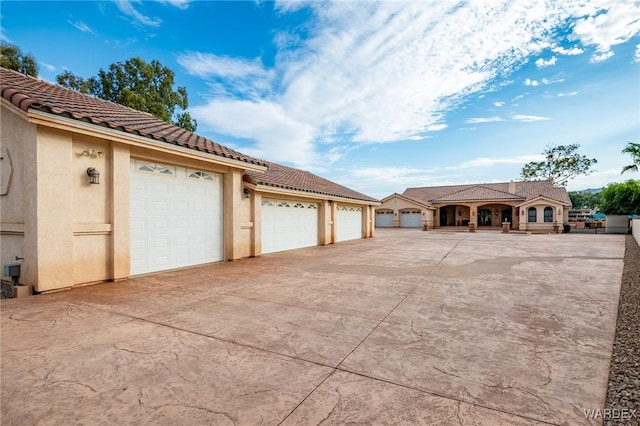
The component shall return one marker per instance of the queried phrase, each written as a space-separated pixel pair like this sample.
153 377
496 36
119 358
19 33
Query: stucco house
92 191
535 206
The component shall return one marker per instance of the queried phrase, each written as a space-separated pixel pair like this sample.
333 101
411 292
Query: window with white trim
155 168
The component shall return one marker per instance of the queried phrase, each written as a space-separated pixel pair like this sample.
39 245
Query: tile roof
408 198
27 93
524 191
279 176
478 193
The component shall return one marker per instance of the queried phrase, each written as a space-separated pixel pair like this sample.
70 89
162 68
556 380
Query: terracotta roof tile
27 93
408 198
279 176
524 191
478 193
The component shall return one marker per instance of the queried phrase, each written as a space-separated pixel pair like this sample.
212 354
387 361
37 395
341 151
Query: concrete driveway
411 327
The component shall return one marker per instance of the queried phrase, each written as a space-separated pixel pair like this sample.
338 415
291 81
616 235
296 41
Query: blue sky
378 96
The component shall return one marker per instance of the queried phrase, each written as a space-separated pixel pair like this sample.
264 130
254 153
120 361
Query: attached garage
349 223
410 219
288 225
384 218
176 217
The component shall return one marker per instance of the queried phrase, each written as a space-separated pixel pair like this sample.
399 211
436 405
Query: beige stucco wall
559 216
635 229
71 232
17 210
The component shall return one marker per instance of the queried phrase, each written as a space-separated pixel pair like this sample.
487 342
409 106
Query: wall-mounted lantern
94 175
247 192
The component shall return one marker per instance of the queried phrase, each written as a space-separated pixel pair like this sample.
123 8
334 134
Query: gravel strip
623 393
7 293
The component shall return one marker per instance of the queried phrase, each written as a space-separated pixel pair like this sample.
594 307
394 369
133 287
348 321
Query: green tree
621 198
12 57
632 149
561 164
139 85
585 200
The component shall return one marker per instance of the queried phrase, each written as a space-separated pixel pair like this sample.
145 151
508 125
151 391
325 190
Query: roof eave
307 194
89 129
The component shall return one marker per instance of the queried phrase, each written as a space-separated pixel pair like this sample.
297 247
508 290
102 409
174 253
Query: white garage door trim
384 218
410 219
288 225
176 217
349 223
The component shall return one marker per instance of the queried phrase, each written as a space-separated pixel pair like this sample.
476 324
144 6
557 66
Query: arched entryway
494 215
454 215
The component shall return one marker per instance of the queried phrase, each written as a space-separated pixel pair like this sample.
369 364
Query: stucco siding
17 211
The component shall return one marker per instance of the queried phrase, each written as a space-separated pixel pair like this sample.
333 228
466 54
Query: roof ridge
456 192
501 191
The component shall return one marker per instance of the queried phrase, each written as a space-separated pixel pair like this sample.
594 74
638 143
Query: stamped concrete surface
410 327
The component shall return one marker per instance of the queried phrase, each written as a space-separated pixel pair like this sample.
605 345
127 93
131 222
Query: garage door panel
384 219
349 223
176 221
410 219
286 227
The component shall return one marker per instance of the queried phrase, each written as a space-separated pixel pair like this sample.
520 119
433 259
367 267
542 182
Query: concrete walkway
411 327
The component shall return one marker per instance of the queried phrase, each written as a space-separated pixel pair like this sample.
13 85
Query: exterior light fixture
94 175
246 192
92 153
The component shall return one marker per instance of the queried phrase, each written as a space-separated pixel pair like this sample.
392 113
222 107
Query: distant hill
591 190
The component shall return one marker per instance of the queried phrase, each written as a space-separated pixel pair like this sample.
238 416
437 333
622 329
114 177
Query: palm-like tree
632 149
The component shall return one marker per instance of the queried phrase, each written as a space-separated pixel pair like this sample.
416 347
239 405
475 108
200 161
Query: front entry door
506 215
484 217
443 217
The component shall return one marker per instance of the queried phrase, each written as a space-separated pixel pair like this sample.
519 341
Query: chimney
512 187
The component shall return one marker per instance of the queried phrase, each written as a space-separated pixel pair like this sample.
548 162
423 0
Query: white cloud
572 51
491 162
562 94
541 63
180 4
550 81
599 179
636 57
601 57
81 26
49 67
436 128
499 104
274 131
128 8
373 72
609 24
529 118
476 120
209 65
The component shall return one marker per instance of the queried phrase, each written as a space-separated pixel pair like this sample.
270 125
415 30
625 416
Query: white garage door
349 222
288 225
410 219
176 217
384 218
